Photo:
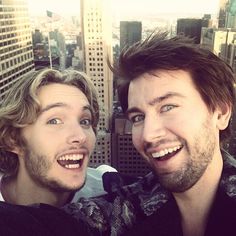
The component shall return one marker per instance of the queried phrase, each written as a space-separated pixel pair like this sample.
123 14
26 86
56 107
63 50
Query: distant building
221 42
231 14
125 158
79 41
191 27
222 13
227 14
37 37
97 47
70 49
130 33
16 54
59 49
207 21
41 50
77 59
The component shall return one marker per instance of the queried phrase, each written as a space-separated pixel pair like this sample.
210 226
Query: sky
127 7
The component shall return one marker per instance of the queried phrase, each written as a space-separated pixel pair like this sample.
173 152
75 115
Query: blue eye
86 122
54 121
137 118
167 108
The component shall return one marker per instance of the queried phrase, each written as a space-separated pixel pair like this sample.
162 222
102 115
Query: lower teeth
72 166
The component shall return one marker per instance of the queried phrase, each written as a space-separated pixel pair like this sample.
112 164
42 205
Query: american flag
53 16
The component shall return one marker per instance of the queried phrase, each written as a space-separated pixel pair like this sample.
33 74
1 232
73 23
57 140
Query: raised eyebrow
89 108
61 104
164 97
52 106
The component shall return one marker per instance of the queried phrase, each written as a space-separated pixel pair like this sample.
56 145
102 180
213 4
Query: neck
16 190
195 203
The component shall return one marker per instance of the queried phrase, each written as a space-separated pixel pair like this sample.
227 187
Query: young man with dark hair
179 98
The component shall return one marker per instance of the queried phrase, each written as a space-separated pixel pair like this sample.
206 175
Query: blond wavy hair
21 107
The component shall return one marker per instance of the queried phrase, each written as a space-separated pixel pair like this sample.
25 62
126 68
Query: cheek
37 142
91 137
136 138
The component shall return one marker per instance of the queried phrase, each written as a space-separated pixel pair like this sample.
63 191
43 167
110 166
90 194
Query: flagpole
51 16
49 44
49 50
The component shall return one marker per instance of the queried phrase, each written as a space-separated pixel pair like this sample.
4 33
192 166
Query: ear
15 148
223 116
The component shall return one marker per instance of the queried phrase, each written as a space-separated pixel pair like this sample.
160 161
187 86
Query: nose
76 135
153 129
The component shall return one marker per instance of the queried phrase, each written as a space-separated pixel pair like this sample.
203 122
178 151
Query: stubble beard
200 154
38 167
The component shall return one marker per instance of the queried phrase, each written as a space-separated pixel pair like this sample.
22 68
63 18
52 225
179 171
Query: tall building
231 14
222 13
227 14
125 158
130 33
97 46
57 37
221 42
190 28
16 54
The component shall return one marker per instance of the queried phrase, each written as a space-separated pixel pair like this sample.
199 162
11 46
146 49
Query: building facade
16 54
125 158
97 48
130 33
190 28
227 14
221 42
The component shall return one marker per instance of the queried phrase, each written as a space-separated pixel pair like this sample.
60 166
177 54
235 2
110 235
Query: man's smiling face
58 144
172 127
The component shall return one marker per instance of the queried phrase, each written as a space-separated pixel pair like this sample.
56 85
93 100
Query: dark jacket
222 219
145 208
43 220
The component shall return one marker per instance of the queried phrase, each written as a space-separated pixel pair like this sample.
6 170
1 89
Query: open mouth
72 161
166 153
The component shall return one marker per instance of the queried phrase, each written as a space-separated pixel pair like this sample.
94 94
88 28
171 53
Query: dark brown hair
213 78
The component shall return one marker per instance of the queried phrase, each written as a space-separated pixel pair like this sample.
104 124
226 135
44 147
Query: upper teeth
73 157
165 151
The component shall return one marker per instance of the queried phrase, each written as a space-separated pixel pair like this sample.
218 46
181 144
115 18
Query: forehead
54 93
158 83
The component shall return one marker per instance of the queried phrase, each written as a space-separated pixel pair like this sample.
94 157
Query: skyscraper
16 54
190 27
221 42
130 33
125 158
222 13
227 14
231 14
97 47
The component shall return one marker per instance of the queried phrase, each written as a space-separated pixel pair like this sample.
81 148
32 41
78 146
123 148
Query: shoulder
150 194
36 220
